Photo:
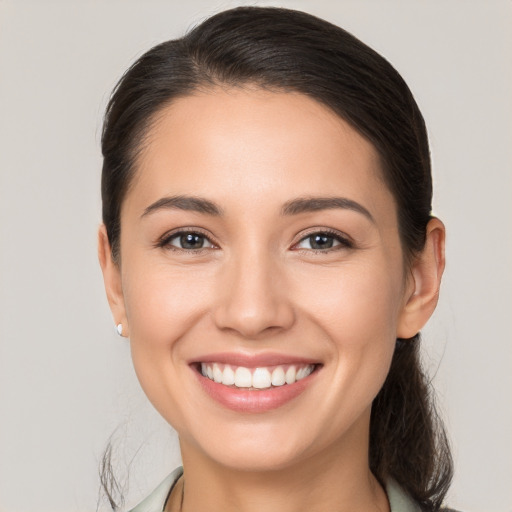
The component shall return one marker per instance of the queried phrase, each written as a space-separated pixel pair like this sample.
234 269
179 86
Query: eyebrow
313 204
188 203
293 207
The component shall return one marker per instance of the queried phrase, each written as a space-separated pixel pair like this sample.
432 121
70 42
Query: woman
268 247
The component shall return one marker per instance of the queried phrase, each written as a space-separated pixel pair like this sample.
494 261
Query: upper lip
252 360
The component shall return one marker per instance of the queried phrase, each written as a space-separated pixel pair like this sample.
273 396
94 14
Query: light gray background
66 382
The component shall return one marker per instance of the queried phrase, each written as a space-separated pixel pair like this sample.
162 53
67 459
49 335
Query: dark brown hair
286 50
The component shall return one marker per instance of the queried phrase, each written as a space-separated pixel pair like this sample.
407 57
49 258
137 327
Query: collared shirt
399 501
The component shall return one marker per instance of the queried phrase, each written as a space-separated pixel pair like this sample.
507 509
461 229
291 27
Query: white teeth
304 372
228 376
261 378
290 375
243 377
217 373
258 378
278 378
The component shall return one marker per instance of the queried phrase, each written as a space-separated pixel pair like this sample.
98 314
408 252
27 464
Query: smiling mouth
259 378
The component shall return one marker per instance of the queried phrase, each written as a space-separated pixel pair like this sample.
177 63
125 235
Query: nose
254 301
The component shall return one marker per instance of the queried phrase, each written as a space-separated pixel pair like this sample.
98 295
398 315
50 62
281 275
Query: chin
253 448
256 460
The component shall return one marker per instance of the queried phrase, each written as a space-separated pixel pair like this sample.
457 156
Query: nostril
252 319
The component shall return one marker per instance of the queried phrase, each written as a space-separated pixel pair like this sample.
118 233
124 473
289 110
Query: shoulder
399 501
155 502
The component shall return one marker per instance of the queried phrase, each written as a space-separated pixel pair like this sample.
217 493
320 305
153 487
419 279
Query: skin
259 287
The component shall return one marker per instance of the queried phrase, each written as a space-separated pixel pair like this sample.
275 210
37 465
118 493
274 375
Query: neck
337 480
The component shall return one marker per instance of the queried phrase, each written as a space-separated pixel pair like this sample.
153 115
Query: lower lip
254 401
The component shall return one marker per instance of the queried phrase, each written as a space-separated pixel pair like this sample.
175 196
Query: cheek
167 309
163 303
357 309
357 303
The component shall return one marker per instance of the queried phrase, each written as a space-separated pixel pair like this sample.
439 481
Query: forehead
255 147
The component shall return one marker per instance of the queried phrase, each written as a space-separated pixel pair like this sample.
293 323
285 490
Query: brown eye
322 242
189 241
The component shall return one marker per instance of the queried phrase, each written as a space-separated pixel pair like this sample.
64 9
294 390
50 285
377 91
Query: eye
187 241
323 241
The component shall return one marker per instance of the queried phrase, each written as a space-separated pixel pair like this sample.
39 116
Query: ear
424 282
112 280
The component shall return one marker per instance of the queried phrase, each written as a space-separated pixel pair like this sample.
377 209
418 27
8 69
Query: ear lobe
426 273
112 280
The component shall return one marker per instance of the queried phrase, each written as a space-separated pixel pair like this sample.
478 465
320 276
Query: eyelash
344 242
165 241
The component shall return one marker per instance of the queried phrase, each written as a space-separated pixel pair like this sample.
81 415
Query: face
260 247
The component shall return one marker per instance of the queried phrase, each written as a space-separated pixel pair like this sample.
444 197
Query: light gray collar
155 502
399 501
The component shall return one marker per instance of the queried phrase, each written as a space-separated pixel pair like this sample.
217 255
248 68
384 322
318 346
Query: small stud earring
119 329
